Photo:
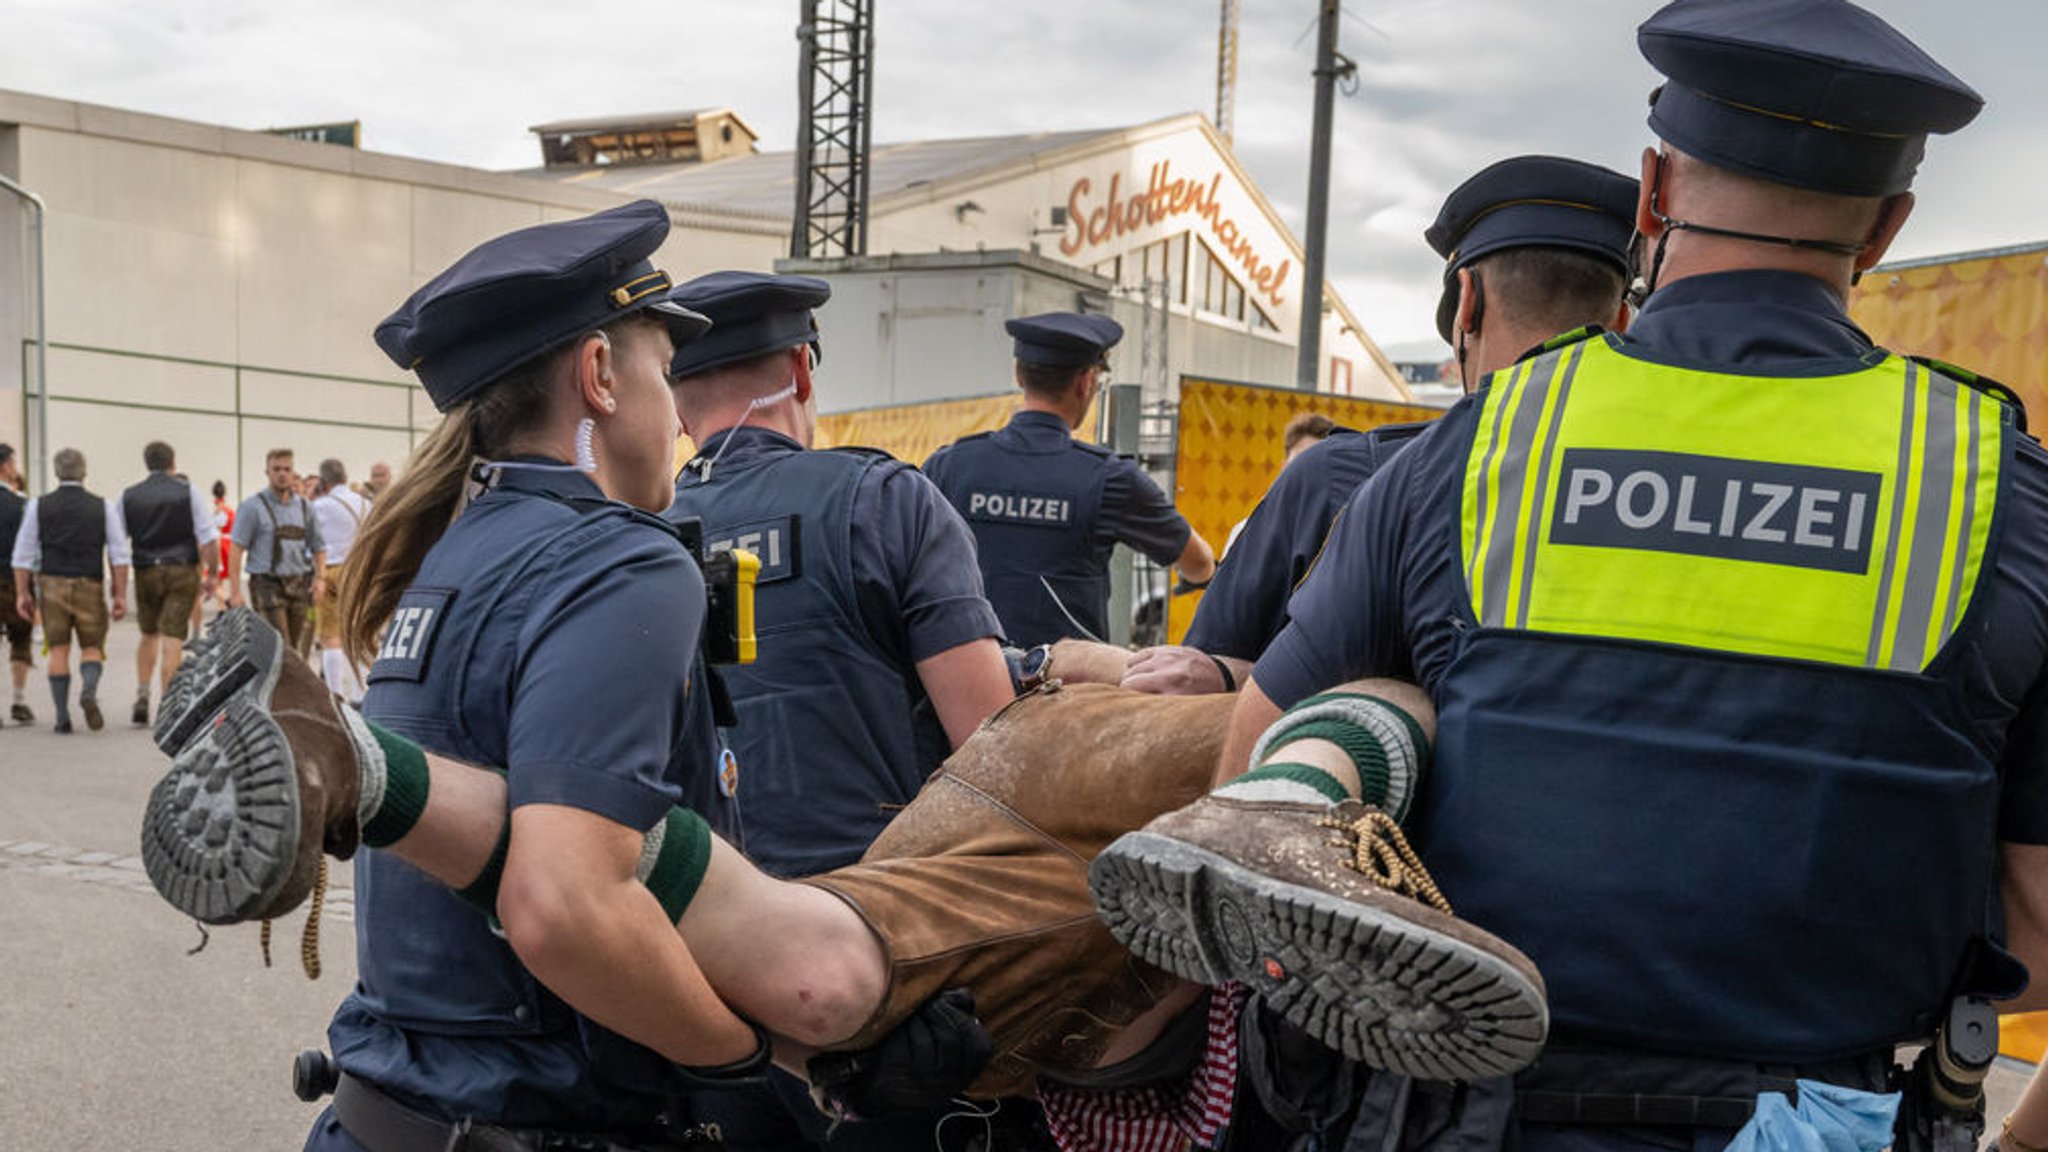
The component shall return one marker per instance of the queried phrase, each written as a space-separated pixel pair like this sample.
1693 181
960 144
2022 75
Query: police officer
1533 246
18 630
512 629
1737 627
1047 509
277 541
169 529
69 539
877 651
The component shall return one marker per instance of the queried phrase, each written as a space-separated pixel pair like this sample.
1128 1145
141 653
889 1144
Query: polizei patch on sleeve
1020 508
1788 514
409 639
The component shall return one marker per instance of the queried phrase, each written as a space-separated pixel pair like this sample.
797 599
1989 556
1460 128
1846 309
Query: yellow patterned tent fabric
914 431
1987 313
1229 451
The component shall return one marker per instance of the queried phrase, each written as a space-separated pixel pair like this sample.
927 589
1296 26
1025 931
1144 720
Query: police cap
1532 202
515 297
1064 339
752 314
1815 94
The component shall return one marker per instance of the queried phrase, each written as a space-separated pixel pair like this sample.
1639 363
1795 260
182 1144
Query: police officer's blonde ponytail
407 520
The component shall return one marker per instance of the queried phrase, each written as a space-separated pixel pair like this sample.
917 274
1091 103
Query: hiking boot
139 715
1326 913
21 714
90 705
264 781
202 682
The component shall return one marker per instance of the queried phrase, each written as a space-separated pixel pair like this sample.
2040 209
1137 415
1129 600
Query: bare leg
145 663
173 655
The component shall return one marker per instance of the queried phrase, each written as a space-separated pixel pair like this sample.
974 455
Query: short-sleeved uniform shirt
1386 598
256 524
867 570
554 639
1245 605
1048 510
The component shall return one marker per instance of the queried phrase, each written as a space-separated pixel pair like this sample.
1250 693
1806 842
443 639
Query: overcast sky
1443 88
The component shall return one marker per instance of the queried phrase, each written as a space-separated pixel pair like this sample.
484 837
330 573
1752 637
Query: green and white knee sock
393 795
1385 744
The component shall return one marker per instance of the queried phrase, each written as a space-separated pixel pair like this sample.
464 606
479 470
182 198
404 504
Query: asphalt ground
113 1033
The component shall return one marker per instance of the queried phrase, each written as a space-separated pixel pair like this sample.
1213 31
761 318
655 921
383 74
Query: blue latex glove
1829 1118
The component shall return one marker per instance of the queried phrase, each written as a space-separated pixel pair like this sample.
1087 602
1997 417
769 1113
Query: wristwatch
1032 669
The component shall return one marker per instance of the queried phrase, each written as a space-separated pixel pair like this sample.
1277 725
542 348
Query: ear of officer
763 342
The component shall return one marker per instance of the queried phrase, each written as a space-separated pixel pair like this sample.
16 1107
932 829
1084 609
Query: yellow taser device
746 571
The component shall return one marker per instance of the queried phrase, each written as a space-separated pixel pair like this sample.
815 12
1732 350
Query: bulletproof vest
835 728
1703 751
1033 510
12 507
481 1035
159 516
71 524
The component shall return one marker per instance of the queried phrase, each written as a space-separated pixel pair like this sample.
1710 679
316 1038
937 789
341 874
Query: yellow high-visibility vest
1842 519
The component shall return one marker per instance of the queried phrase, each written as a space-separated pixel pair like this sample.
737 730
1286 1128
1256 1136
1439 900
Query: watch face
1035 662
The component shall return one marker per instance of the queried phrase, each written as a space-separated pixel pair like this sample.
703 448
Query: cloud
1443 88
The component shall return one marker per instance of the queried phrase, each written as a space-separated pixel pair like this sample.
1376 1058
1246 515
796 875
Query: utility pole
1226 74
1308 363
834 118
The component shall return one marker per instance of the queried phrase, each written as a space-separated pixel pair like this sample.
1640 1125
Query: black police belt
1608 1086
382 1124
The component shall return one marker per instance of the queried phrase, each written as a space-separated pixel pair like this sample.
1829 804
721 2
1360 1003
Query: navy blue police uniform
1245 605
507 648
865 571
1047 510
1521 202
1749 740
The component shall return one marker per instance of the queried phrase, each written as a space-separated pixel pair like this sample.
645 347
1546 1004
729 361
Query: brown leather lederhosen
982 880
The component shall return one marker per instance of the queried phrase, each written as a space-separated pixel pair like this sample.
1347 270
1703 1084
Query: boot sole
231 653
220 834
1377 987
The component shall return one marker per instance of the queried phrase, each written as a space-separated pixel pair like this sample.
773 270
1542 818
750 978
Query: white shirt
340 513
28 546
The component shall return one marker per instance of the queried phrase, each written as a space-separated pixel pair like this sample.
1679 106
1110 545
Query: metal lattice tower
1226 73
833 92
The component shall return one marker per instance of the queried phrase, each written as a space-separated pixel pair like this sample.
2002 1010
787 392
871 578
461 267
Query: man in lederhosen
170 529
69 538
277 542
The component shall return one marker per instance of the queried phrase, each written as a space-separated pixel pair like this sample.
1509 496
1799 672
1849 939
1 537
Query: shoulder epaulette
1980 383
